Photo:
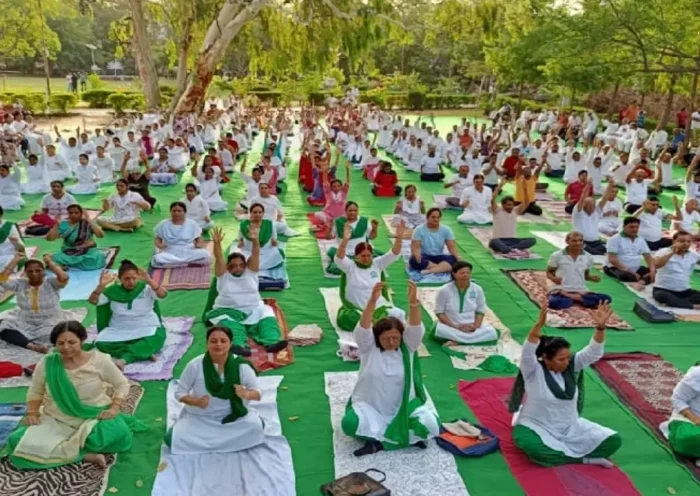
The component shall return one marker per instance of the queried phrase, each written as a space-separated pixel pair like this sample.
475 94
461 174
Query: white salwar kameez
87 184
10 194
37 182
360 283
179 244
57 169
209 191
379 391
198 211
270 256
7 249
478 211
410 214
124 209
447 302
556 421
199 430
104 167
610 224
241 293
127 324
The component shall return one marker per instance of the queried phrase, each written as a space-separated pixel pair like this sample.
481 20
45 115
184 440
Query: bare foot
96 459
39 348
120 364
639 285
450 343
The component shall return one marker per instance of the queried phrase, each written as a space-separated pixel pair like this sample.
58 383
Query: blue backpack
480 448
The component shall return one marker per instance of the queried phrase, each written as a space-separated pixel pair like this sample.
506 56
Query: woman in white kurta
129 323
684 424
37 180
104 165
209 186
86 174
548 427
217 389
410 209
197 208
460 307
179 240
476 202
387 408
360 274
162 171
127 207
270 254
234 299
10 193
10 242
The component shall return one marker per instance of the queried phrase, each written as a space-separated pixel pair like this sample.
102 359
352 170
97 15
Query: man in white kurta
476 201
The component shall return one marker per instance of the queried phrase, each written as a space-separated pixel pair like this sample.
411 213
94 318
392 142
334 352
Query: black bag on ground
357 484
650 313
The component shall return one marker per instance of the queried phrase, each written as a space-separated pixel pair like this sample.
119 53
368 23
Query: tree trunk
183 54
231 18
666 116
481 88
644 97
611 105
693 95
146 65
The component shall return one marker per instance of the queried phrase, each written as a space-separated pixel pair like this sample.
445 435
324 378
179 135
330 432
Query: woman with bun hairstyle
129 324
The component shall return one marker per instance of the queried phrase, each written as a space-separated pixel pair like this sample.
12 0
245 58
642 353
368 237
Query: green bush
258 88
95 82
650 125
416 100
62 102
33 102
120 102
167 90
97 98
398 100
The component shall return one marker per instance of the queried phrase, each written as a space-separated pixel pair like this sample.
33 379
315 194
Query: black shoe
369 448
421 445
275 347
241 350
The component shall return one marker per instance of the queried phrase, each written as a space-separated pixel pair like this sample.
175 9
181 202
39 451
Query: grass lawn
27 84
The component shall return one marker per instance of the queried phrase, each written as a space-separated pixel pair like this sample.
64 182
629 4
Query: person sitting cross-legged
569 269
460 307
585 219
548 427
625 251
234 299
505 220
675 266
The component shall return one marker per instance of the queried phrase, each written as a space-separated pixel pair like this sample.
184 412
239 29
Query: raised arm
106 278
61 276
253 262
217 236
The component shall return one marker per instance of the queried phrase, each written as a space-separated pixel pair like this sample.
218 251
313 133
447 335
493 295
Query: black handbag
357 484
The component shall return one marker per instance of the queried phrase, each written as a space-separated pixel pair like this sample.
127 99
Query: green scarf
571 384
265 233
117 292
66 396
5 231
359 231
225 389
398 429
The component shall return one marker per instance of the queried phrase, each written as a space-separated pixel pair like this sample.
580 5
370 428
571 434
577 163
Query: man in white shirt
637 188
458 182
625 253
692 179
675 266
585 218
690 218
569 269
650 228
695 122
476 202
657 140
